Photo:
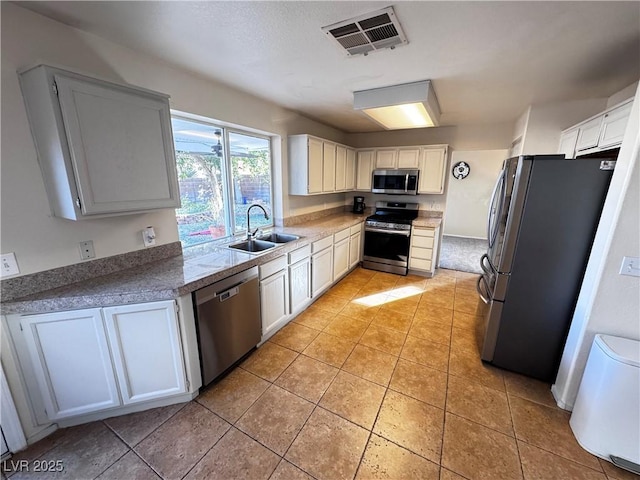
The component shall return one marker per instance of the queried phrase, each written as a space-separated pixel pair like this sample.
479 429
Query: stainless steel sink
278 237
253 246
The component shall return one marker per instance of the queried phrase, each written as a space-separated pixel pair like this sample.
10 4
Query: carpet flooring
459 253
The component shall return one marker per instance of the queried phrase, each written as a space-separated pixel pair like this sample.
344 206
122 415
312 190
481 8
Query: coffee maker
358 205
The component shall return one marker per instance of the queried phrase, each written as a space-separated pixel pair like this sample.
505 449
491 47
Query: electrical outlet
86 250
630 266
149 237
9 265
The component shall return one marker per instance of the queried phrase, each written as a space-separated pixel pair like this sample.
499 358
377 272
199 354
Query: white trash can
606 415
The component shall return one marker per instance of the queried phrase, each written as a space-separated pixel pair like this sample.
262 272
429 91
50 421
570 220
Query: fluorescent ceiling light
410 105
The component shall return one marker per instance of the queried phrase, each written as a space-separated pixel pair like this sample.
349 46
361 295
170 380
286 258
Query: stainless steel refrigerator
542 221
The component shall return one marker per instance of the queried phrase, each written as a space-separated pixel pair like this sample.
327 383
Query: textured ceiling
487 60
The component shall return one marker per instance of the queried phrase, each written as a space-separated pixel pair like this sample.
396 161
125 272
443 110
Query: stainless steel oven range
387 236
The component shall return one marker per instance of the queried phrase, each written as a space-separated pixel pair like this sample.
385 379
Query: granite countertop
172 277
427 222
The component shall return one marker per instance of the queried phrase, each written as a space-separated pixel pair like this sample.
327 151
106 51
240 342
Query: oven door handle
486 299
405 233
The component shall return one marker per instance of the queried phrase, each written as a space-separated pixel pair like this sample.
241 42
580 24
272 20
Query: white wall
622 95
470 137
546 122
608 303
41 241
468 199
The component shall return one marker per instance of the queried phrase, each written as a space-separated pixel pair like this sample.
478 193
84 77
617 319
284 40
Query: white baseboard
559 402
464 236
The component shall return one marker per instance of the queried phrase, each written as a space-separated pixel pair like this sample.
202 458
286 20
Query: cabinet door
274 300
340 258
365 168
321 271
314 179
355 247
300 284
70 357
121 147
350 170
614 126
408 158
568 143
386 158
147 351
341 167
589 134
329 167
432 170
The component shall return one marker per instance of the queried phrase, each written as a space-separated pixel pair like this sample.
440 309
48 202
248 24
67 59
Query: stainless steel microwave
396 182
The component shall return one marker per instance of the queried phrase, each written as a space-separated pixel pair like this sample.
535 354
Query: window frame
227 175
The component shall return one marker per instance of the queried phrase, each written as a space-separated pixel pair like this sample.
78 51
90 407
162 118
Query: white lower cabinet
299 279
71 362
146 349
341 253
355 248
321 270
423 250
274 294
86 361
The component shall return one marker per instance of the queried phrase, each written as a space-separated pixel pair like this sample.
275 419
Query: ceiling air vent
368 33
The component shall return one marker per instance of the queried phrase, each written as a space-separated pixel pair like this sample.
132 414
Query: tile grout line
150 433
117 459
446 396
515 435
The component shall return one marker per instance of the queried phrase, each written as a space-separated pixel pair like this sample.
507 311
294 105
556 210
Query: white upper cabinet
341 168
568 143
328 167
408 158
364 170
398 157
433 162
601 132
316 166
588 134
386 158
105 149
350 170
614 125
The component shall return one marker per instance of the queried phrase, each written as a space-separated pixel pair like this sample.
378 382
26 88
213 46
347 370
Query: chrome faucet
250 234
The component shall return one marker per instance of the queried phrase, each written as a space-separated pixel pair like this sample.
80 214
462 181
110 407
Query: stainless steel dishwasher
228 321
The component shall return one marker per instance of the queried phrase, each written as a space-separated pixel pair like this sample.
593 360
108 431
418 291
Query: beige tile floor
380 378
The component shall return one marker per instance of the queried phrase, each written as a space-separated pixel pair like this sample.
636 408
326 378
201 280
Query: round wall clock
461 170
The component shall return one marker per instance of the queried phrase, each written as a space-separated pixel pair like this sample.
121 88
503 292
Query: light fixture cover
409 105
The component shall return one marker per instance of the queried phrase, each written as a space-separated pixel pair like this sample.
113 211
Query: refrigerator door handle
491 237
487 267
484 297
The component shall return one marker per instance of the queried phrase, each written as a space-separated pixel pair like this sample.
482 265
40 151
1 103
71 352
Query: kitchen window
221 172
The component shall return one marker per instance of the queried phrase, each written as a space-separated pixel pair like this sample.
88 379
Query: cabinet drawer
420 264
422 242
273 266
341 235
424 253
356 229
424 232
299 254
322 244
